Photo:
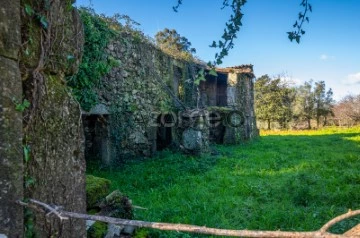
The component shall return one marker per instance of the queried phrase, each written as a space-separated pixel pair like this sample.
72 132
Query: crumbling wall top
245 69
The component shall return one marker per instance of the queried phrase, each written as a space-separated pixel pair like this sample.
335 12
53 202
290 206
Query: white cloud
326 57
352 79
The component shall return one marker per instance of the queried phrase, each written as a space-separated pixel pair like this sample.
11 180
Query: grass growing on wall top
293 181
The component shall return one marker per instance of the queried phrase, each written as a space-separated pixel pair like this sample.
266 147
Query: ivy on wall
95 62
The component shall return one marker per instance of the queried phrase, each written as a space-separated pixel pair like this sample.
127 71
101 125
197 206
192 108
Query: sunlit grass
291 180
323 131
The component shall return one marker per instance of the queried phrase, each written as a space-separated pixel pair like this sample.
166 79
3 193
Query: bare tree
348 108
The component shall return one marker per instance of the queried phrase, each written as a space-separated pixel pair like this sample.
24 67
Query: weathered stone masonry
11 158
33 65
137 115
54 130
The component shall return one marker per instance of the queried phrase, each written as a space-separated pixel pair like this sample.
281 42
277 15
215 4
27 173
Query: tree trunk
309 123
317 122
269 124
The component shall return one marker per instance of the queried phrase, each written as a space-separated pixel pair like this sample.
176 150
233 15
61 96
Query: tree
348 107
273 101
173 43
232 26
313 102
323 102
304 105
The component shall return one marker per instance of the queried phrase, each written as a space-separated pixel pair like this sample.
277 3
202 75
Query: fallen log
321 233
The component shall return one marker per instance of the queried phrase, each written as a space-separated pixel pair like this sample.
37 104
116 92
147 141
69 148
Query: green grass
294 181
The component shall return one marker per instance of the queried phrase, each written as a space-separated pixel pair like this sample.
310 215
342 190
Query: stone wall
35 45
141 90
137 92
11 157
240 97
55 173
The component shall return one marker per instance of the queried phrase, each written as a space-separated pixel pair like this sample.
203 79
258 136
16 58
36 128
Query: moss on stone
96 190
220 109
119 204
97 230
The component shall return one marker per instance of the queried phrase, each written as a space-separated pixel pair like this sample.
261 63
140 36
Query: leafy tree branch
233 25
298 25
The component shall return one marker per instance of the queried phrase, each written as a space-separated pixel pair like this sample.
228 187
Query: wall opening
211 91
221 94
217 128
97 141
164 131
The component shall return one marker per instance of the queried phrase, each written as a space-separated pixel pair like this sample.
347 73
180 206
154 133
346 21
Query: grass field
296 180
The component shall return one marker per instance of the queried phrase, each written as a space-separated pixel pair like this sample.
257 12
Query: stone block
10 33
11 157
192 139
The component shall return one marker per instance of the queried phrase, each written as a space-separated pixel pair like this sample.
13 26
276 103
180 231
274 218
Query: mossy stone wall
135 95
53 131
244 100
11 158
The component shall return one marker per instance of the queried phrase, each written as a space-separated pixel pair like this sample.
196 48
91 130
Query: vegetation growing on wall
51 47
95 62
133 78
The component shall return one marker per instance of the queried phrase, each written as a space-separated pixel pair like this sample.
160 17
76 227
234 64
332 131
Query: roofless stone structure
151 102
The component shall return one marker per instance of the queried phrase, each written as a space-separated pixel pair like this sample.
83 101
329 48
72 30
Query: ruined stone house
150 102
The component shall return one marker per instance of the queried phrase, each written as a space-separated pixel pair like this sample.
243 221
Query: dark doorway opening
164 131
96 137
217 129
221 99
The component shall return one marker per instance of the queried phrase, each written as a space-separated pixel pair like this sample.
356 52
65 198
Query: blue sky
329 51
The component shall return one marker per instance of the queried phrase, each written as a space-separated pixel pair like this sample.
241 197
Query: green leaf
26 153
197 82
290 35
21 106
29 181
43 21
26 103
213 72
200 77
28 10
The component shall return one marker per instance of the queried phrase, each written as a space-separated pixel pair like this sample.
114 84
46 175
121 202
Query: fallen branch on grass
323 232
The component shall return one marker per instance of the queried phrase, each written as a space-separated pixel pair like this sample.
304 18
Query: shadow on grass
287 182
